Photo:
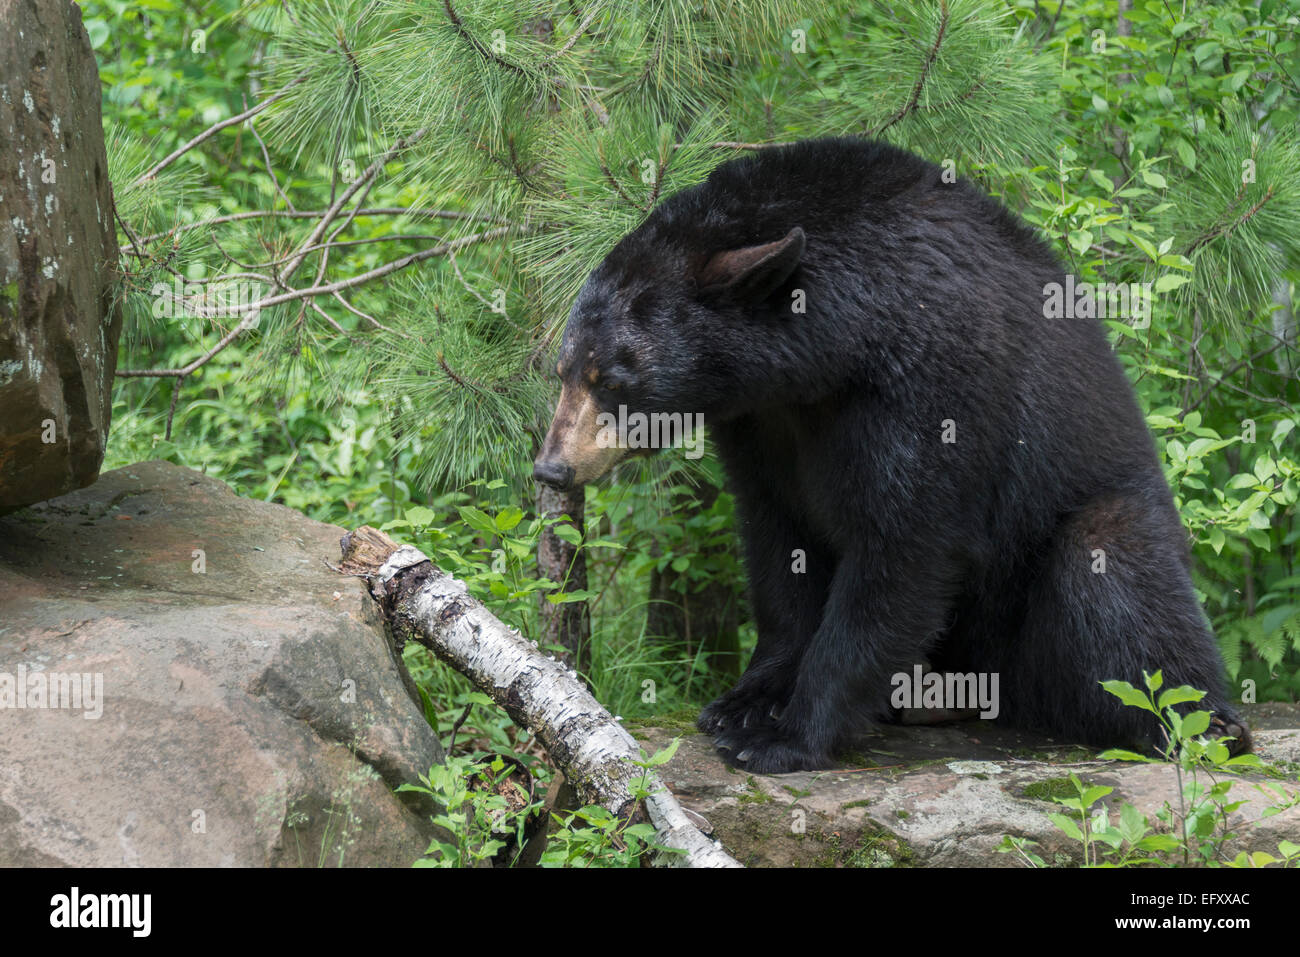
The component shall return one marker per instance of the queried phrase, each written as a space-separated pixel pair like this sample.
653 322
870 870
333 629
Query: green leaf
1207 53
1094 794
660 757
1128 694
566 597
430 712
98 32
1102 180
1119 754
1244 761
477 519
1145 245
1217 539
420 516
1196 723
1179 695
1066 825
1131 823
1170 281
508 518
567 533
1159 842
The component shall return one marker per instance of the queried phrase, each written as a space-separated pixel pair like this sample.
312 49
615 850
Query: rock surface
944 796
59 328
253 711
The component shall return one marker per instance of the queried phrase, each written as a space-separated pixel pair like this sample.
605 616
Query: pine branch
1224 229
362 182
582 28
912 100
618 187
465 34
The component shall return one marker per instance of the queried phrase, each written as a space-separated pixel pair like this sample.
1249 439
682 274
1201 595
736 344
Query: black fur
924 304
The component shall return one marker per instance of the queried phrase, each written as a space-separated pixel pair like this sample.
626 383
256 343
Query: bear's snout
576 450
553 473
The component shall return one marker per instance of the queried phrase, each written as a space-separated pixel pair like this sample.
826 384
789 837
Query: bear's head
663 327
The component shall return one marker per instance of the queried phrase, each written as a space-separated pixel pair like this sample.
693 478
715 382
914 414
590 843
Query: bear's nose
553 473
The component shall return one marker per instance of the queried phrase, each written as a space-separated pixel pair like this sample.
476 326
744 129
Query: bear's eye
611 385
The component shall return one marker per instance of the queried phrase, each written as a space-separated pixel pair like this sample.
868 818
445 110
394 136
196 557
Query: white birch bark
540 693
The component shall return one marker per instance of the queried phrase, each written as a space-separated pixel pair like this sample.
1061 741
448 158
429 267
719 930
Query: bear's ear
751 273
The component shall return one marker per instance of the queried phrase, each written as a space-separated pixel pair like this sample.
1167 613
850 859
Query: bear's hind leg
1113 599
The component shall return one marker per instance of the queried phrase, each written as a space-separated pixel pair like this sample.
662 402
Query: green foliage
491 546
608 840
1197 829
484 824
473 812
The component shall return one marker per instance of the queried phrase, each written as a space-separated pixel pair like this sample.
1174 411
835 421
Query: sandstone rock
58 326
945 796
244 685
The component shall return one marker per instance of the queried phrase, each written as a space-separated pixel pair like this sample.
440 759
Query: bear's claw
742 708
766 750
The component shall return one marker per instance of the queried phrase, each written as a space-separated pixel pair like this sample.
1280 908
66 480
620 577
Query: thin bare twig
316 214
332 213
369 318
171 409
266 158
252 310
214 129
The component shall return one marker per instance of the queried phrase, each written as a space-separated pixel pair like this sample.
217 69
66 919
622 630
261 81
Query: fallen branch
425 605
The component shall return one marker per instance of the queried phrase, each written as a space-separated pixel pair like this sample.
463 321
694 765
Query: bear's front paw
767 750
741 708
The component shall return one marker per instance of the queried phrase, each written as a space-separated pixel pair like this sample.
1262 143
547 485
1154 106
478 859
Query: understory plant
1194 829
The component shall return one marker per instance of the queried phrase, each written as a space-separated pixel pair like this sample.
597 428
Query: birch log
426 605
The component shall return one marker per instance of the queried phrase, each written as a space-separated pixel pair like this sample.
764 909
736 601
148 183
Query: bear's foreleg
882 614
789 581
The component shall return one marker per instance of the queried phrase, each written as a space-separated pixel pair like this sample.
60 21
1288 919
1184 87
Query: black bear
929 468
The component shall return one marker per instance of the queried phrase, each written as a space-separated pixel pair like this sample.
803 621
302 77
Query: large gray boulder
59 328
252 711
